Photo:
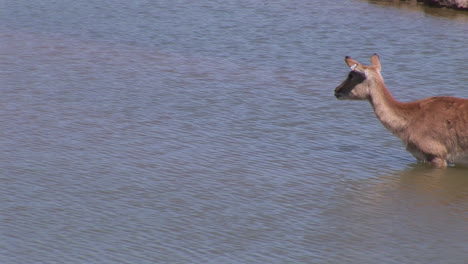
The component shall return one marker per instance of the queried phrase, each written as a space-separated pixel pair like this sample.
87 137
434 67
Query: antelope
434 129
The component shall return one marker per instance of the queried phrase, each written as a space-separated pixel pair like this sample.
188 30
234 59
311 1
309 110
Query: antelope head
360 80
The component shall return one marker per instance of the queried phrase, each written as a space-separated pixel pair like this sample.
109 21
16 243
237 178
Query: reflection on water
442 187
397 215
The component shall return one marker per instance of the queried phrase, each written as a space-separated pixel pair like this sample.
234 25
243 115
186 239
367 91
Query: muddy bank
449 4
455 4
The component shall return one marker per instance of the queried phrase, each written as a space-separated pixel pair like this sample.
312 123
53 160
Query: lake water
207 132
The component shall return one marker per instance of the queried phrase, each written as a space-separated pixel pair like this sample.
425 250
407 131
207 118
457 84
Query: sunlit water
207 132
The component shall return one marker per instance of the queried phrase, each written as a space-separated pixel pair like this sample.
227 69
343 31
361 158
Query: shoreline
453 4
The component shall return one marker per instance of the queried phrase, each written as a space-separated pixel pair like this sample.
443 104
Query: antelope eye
350 76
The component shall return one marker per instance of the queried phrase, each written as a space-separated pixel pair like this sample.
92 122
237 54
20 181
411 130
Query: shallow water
188 132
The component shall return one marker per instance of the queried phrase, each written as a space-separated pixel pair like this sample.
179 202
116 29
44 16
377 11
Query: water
207 132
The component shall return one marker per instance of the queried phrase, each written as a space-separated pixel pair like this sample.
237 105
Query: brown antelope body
434 129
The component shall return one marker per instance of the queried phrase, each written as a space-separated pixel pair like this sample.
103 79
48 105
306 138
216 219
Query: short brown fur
434 129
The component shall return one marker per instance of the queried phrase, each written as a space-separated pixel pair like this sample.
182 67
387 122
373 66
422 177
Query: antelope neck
388 110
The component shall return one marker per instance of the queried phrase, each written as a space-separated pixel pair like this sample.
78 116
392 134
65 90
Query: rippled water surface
207 132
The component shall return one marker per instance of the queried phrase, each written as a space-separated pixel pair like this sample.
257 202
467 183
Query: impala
433 129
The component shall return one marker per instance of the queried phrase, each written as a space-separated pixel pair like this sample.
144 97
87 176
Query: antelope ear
375 62
352 63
